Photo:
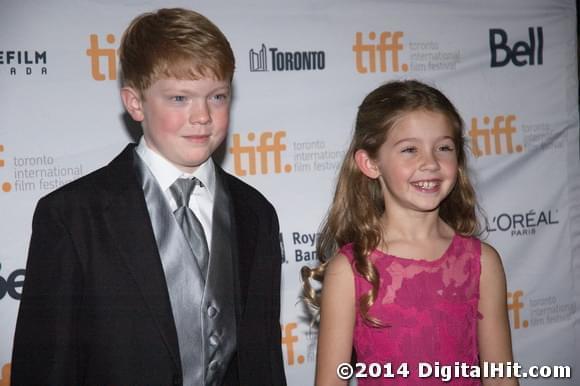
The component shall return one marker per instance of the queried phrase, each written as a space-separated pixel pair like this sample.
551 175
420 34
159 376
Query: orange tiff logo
5 375
269 149
5 186
369 54
515 305
98 54
502 128
288 340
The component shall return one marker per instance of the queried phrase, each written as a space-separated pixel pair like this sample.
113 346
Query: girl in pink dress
406 282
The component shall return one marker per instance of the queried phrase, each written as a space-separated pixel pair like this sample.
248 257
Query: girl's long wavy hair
358 204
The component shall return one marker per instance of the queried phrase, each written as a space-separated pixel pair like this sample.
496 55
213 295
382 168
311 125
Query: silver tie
181 191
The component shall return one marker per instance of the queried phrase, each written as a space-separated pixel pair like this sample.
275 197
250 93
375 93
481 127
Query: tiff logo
289 339
502 127
5 186
5 375
108 54
366 53
270 143
259 60
515 306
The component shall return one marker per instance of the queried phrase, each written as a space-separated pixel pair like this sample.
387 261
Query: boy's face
182 120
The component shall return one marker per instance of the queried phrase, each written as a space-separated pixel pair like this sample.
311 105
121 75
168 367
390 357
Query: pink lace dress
431 307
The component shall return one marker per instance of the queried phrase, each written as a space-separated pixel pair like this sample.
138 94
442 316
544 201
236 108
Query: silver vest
211 342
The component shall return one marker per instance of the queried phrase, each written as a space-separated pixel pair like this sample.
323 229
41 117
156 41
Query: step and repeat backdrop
303 67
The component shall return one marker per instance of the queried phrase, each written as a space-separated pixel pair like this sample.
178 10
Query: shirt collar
166 173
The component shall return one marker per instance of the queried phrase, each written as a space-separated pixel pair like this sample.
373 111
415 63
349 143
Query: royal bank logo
273 59
24 62
528 52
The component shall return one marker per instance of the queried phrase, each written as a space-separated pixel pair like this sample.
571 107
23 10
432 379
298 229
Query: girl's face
417 164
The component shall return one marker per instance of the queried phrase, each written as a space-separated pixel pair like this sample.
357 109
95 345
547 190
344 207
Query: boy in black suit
159 268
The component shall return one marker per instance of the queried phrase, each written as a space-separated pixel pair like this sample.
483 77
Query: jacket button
213 340
212 311
213 365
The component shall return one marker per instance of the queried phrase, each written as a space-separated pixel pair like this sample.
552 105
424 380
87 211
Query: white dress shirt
201 200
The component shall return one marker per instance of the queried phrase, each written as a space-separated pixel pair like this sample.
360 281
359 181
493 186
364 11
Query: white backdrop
302 69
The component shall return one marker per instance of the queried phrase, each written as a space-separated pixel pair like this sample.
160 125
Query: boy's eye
178 98
220 97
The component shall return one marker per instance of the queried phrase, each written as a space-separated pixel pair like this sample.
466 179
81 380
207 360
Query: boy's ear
366 164
133 104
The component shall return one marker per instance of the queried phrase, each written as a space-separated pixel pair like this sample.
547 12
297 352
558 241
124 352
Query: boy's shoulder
93 187
244 194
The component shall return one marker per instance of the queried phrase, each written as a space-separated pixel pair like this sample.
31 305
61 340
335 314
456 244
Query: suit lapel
224 218
243 239
130 227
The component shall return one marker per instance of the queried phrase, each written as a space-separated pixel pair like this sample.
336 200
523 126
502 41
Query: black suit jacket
95 307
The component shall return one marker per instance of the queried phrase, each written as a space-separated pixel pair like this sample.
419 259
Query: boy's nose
200 114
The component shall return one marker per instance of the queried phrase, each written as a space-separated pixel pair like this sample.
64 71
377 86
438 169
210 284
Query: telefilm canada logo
266 59
24 62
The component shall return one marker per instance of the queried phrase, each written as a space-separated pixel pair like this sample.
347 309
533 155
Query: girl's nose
429 161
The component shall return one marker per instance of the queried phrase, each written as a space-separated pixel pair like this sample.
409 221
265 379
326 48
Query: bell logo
289 339
270 143
96 53
515 305
522 53
366 53
502 127
12 284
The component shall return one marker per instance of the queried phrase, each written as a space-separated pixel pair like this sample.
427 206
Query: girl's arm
337 316
493 331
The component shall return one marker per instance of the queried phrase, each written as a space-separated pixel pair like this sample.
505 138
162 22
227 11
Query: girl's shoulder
339 263
470 245
339 277
347 251
490 261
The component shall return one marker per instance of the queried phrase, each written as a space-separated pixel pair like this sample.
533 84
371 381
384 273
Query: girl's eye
410 149
178 98
446 148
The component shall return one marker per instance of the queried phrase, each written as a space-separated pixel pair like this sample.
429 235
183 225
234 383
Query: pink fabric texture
431 310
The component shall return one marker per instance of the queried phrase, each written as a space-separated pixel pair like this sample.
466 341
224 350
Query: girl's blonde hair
358 204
